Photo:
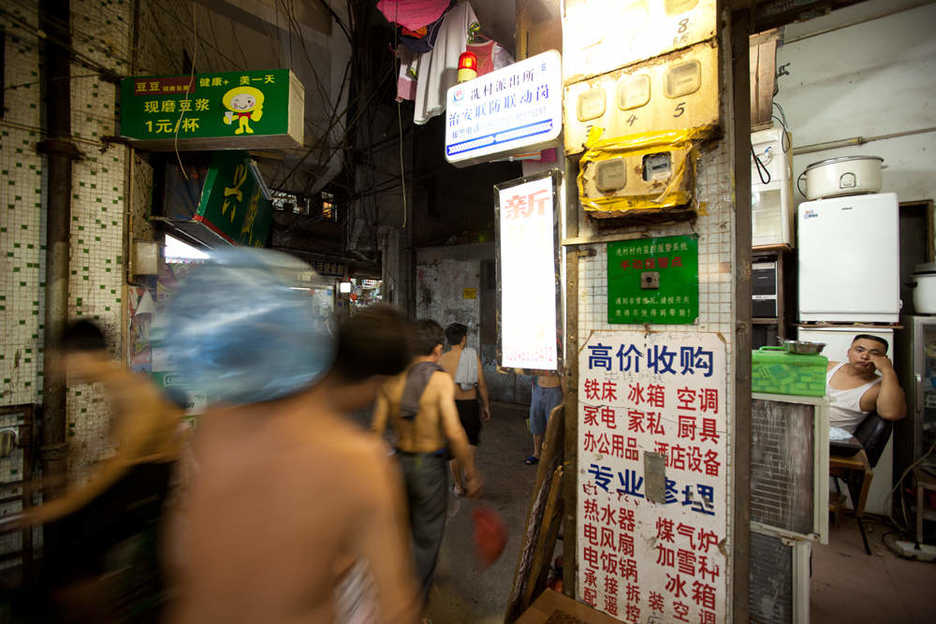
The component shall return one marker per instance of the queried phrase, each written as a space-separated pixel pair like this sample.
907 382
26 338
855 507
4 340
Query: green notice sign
218 110
232 201
654 280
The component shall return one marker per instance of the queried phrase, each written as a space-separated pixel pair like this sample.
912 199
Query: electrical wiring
234 36
396 43
154 28
324 136
202 41
73 54
899 483
76 32
45 132
761 168
296 30
188 94
36 82
337 19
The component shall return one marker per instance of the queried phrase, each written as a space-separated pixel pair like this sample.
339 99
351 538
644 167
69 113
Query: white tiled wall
22 243
22 268
101 33
98 193
715 258
714 226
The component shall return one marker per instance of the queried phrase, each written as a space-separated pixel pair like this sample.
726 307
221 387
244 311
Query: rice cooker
924 288
847 175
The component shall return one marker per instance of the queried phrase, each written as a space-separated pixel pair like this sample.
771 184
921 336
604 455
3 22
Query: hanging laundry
406 80
412 14
422 40
438 68
491 56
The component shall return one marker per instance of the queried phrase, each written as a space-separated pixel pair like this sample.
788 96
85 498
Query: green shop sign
654 280
224 110
233 203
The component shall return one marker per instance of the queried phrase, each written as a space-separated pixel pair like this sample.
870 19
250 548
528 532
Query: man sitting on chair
864 384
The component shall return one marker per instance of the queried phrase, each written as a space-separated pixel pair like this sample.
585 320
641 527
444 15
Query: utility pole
55 21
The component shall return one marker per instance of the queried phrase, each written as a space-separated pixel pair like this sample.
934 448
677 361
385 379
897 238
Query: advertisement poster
141 310
528 275
652 484
228 108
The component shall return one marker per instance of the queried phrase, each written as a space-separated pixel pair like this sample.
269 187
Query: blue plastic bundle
243 328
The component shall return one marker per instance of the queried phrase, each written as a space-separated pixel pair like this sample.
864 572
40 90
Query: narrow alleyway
464 593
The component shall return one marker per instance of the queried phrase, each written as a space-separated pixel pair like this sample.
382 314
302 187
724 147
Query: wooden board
763 61
550 460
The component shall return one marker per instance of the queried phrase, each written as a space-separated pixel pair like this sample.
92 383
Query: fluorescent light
178 250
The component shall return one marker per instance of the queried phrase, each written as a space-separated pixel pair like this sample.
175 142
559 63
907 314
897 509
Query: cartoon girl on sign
245 104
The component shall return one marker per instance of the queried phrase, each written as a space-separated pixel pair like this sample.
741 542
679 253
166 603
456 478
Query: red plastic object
490 534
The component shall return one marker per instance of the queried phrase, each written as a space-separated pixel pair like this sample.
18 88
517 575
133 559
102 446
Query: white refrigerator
849 267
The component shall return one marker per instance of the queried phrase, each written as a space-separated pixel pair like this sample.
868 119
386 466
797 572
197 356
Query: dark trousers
426 479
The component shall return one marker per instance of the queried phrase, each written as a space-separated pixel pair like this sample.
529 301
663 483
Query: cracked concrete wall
442 276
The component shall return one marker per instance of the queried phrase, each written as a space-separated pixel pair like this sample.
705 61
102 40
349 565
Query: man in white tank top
865 383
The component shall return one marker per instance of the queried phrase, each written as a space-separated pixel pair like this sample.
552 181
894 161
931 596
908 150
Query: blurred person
420 407
288 494
122 498
546 395
464 365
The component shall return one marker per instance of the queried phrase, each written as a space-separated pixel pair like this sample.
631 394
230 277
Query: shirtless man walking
287 493
420 407
124 494
464 365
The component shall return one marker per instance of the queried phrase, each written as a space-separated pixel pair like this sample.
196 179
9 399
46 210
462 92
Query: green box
672 263
775 371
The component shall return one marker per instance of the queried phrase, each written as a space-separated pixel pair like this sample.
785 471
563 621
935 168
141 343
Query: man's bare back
426 433
253 520
422 439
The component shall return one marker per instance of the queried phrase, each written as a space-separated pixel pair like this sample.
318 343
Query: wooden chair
857 470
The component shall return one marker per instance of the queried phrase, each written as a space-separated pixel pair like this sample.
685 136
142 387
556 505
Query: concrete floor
464 593
847 585
850 586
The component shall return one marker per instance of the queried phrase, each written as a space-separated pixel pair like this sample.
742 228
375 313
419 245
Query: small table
858 465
